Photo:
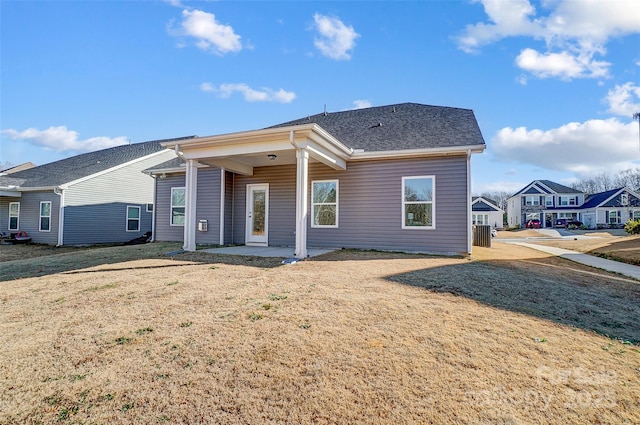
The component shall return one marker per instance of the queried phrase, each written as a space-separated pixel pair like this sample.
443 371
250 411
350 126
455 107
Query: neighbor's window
325 203
532 200
149 207
624 199
480 218
45 216
548 201
14 215
636 215
133 219
418 202
613 217
564 200
177 206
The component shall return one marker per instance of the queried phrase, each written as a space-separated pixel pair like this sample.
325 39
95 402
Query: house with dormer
555 204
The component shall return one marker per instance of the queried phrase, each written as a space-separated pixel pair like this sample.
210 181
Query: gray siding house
392 178
96 197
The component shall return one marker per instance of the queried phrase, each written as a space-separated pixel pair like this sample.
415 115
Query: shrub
632 227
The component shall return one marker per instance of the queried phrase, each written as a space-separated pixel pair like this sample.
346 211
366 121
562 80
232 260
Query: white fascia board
109 170
257 141
408 153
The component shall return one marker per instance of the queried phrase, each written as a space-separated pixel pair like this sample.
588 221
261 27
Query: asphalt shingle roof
79 166
399 127
596 199
555 187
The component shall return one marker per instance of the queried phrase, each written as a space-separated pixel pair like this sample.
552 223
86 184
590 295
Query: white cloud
563 65
624 100
588 148
360 104
61 139
250 95
335 40
573 32
210 35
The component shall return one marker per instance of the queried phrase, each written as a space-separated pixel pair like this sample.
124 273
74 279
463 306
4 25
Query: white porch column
302 182
191 188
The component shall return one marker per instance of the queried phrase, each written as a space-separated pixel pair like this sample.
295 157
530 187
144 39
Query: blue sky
554 85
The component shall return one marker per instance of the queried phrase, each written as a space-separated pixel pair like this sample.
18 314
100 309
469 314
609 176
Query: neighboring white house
486 211
549 202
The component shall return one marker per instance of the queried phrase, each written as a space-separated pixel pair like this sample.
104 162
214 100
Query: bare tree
4 165
500 197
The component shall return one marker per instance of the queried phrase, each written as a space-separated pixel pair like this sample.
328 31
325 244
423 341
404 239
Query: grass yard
128 335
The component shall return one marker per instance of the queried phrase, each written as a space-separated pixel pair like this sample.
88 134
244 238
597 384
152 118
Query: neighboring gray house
549 202
96 197
392 178
543 200
486 211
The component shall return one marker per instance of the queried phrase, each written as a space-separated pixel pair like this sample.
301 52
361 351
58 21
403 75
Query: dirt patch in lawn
520 233
622 248
350 337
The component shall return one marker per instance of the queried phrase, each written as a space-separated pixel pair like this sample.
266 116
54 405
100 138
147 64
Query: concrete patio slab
264 251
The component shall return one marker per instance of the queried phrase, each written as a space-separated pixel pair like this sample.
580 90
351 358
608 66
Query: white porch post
191 188
302 182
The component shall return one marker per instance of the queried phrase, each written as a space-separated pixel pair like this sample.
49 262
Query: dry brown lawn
131 336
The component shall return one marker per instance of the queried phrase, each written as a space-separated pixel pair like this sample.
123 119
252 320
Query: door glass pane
259 197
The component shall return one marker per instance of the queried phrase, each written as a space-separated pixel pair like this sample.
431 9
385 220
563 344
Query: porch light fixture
272 157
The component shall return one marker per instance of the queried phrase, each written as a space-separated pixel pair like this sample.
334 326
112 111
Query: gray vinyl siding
164 231
102 223
208 207
30 216
370 205
228 208
95 209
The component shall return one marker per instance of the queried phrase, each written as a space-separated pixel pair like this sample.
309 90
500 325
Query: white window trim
313 205
149 209
484 216
11 216
432 202
42 216
126 223
547 199
171 223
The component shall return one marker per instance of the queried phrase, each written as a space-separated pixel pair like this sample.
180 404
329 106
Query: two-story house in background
551 202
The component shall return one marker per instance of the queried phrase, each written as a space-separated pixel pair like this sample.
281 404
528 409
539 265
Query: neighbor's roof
596 199
553 186
399 127
79 166
17 168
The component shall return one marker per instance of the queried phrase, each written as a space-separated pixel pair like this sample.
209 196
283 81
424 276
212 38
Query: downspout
153 213
469 227
60 192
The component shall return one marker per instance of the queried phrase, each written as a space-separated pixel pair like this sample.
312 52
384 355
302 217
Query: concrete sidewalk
590 260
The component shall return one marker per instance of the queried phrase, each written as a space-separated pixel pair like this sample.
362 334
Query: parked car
561 222
533 224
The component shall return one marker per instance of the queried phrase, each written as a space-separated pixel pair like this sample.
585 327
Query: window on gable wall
324 203
14 215
45 216
133 219
418 202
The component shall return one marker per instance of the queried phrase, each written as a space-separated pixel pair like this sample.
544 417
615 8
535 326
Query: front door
257 214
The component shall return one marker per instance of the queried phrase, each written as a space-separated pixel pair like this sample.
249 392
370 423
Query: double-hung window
613 217
45 216
133 218
635 215
418 202
548 201
325 203
480 219
532 200
14 215
178 204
